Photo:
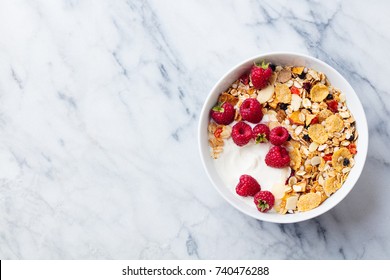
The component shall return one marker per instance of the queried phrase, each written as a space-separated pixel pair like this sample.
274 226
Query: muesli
304 121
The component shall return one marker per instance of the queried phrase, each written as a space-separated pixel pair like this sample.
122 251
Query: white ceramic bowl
353 104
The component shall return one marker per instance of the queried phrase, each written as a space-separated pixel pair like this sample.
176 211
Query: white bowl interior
353 104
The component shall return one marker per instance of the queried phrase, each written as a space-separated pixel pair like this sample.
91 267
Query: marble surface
99 104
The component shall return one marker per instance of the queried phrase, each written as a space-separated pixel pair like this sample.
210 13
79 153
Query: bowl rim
363 139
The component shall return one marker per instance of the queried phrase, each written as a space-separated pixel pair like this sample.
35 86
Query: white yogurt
235 161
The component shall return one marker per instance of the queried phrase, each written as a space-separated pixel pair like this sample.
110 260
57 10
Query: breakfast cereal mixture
321 141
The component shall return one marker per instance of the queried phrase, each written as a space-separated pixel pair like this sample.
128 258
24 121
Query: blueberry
283 106
302 75
273 67
289 137
346 162
306 137
329 96
351 138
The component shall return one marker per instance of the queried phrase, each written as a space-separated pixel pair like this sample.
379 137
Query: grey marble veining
99 103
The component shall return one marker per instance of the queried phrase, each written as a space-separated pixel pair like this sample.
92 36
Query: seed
298 130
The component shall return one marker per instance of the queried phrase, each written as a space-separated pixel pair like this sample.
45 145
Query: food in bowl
282 138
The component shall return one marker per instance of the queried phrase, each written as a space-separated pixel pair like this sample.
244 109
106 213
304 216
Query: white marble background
99 103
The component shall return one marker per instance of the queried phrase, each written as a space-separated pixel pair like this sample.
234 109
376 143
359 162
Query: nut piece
318 133
319 92
308 201
284 76
322 143
225 97
265 94
291 202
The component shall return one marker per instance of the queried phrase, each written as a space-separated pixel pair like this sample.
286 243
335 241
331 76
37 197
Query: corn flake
334 124
324 114
319 92
318 133
331 186
308 201
338 158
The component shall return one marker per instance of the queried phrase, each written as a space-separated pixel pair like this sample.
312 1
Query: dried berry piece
306 86
327 157
333 106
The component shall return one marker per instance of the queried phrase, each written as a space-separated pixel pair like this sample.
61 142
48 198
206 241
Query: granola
322 129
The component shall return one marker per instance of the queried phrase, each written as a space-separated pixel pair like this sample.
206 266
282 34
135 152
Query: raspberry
261 133
264 201
260 75
277 157
278 135
247 186
251 110
241 133
223 113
